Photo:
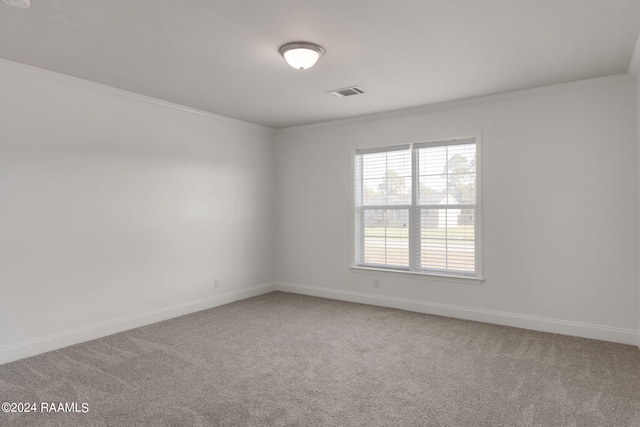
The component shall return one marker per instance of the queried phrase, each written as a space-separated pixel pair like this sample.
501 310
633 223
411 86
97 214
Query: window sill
416 274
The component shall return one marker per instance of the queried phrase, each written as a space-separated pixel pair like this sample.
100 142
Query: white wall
637 79
560 185
116 210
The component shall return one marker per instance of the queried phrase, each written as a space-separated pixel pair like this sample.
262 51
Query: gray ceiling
222 56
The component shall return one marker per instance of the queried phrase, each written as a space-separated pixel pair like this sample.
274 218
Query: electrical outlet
216 283
376 283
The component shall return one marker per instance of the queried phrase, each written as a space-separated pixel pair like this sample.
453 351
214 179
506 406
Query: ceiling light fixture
301 55
23 4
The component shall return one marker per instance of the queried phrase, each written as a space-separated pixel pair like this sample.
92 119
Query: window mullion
360 250
361 214
414 214
446 210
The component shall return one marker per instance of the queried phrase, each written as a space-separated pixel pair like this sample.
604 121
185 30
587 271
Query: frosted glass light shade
301 55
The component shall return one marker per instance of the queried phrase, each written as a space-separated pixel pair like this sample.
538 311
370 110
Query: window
416 208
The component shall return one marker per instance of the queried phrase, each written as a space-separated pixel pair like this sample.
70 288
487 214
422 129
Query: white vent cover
347 91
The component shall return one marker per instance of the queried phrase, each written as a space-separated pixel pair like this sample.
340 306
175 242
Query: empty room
320 213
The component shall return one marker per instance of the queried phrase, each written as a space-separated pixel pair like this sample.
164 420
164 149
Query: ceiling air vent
347 91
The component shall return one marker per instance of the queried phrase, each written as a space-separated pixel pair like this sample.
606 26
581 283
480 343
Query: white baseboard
55 341
75 336
563 327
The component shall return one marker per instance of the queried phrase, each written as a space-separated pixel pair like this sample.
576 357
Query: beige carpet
291 360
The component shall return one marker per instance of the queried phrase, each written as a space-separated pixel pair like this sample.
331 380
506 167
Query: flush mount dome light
301 55
18 3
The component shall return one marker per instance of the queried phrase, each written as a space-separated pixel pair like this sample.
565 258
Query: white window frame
409 271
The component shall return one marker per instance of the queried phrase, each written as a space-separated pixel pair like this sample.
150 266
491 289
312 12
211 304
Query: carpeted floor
285 359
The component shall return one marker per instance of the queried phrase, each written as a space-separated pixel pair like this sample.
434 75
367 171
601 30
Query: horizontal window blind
416 207
383 199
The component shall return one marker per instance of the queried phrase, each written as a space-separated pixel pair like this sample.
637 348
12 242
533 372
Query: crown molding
98 87
464 103
634 70
634 65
